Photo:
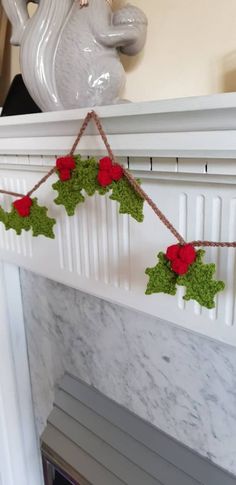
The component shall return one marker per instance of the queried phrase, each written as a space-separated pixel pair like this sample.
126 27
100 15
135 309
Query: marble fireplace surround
182 381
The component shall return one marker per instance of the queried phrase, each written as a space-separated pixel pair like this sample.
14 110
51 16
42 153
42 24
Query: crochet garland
180 265
90 176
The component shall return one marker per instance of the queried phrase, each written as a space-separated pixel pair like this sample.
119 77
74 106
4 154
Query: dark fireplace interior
54 475
60 480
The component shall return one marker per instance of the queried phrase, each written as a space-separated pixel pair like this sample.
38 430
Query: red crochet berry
179 266
65 163
23 205
64 174
187 253
105 164
117 172
173 252
104 178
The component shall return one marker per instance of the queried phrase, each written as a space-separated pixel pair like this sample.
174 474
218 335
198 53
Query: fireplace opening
92 440
56 471
54 475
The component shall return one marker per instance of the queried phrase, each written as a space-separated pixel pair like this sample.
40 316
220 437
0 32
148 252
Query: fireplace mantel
185 148
187 127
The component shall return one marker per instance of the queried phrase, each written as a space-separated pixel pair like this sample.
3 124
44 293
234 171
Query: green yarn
38 221
199 282
130 202
3 216
85 176
161 278
16 222
68 195
84 179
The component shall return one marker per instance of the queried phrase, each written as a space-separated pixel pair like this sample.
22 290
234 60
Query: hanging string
213 244
85 123
148 199
7 192
77 140
154 207
41 182
133 182
53 170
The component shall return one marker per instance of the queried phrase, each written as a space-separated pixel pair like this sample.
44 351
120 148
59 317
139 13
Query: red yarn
65 163
172 252
64 174
23 206
117 172
64 166
104 178
107 172
179 266
181 257
187 253
105 164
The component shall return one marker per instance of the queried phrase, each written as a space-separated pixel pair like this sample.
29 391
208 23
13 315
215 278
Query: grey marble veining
181 382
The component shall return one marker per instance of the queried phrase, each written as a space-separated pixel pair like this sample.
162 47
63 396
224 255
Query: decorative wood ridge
189 127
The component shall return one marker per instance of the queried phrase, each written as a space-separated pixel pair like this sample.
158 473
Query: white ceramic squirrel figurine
69 49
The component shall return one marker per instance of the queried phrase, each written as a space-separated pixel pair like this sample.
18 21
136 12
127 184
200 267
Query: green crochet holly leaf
83 177
199 282
130 202
14 221
68 195
38 221
3 216
161 278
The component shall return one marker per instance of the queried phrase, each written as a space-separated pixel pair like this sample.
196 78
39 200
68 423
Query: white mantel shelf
184 150
189 127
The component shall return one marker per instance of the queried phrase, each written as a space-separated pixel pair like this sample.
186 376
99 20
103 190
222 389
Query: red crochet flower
187 253
179 266
23 206
64 174
117 172
104 178
64 166
65 162
105 164
107 172
172 252
181 257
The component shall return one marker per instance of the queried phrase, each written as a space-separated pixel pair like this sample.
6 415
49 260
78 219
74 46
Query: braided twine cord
92 116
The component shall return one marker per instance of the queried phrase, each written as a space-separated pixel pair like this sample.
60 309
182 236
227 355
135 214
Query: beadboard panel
103 253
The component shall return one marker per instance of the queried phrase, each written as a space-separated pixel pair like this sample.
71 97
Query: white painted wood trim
190 127
20 458
215 144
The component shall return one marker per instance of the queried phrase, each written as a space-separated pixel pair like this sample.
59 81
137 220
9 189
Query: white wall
191 50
